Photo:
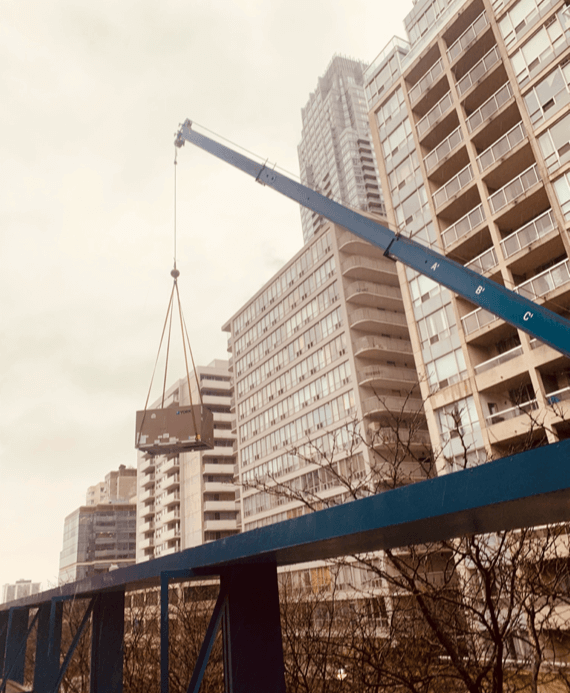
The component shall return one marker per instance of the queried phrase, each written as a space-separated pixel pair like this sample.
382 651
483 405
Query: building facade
19 590
471 127
188 499
119 485
323 376
336 156
96 539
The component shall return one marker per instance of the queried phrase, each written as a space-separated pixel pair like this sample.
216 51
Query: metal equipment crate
174 430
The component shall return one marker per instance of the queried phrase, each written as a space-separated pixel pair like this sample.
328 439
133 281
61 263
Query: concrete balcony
485 262
169 515
221 400
369 294
379 321
477 319
169 534
383 271
147 526
514 189
382 346
166 550
223 417
349 243
147 464
218 487
478 71
433 116
463 226
440 153
147 480
219 525
529 233
545 282
219 506
220 450
219 468
512 412
424 83
170 465
498 360
490 108
147 543
147 511
170 498
387 377
503 146
170 482
389 436
468 37
453 187
147 494
395 406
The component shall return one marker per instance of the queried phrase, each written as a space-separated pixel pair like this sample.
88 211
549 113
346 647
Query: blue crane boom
513 308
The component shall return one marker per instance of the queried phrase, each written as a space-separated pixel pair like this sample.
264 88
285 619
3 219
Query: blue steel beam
515 309
523 490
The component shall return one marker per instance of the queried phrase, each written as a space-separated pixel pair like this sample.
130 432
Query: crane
508 305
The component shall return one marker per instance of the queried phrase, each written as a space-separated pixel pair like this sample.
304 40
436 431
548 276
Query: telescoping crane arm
513 308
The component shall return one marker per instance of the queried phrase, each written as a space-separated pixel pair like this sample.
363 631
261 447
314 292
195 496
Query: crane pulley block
174 430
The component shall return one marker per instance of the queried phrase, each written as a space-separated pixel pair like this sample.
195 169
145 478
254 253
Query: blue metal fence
523 490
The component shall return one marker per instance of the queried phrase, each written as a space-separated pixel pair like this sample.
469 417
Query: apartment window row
278 517
405 173
460 430
314 363
555 144
542 47
308 485
562 189
550 95
320 448
307 260
321 330
421 24
322 387
390 111
437 326
446 370
283 308
399 142
336 410
520 17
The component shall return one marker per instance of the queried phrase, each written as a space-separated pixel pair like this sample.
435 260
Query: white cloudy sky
92 94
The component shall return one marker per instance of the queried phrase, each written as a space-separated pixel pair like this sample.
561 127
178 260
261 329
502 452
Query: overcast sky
92 94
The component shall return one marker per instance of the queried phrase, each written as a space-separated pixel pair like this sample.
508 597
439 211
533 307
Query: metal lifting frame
488 498
512 307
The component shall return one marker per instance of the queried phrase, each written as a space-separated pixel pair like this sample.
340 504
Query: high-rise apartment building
321 347
19 590
471 124
119 486
336 156
96 539
187 499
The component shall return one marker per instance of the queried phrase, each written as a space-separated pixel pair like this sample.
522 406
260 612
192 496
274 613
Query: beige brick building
472 133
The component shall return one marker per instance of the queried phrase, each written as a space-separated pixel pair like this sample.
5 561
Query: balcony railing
467 37
514 188
546 281
476 319
425 82
501 147
490 107
392 373
453 186
512 412
558 395
484 262
432 116
443 149
377 315
462 226
527 234
497 360
479 70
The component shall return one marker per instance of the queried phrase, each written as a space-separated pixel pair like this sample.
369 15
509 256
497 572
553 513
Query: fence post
16 637
48 646
253 647
108 628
